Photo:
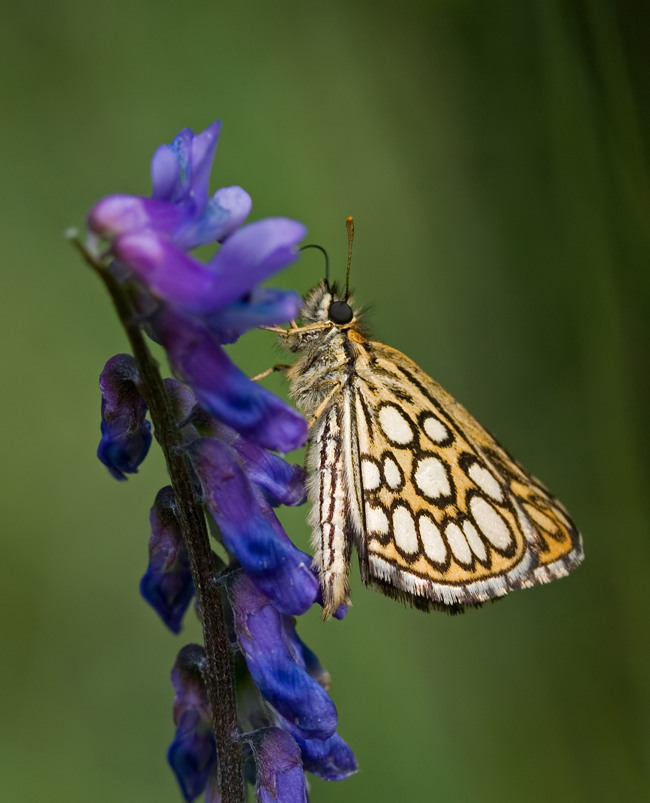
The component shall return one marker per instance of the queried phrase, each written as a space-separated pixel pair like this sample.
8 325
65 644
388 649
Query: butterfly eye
340 312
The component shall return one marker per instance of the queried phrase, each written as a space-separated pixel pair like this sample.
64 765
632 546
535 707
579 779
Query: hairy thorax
321 370
329 352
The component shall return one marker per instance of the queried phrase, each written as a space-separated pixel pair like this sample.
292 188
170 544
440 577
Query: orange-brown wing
449 518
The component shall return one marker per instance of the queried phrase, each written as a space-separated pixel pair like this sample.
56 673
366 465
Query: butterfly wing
447 517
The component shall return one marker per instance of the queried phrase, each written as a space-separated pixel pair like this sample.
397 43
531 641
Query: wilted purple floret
167 584
280 777
192 755
277 667
126 433
250 529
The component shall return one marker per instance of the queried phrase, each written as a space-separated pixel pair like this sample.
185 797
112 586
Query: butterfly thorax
329 337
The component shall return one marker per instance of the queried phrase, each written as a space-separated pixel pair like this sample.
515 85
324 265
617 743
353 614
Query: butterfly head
325 304
326 311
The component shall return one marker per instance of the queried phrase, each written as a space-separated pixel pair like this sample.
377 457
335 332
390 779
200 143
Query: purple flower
249 256
281 483
250 529
179 210
192 755
195 308
126 434
280 777
167 584
224 390
267 640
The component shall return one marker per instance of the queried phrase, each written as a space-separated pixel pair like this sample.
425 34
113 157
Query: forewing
450 519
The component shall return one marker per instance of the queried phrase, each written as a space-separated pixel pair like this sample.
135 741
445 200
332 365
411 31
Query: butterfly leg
272 370
323 406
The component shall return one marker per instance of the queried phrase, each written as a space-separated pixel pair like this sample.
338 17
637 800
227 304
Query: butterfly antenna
327 259
349 225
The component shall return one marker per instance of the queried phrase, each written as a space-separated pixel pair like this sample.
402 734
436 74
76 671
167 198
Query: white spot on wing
490 523
395 425
432 541
485 481
404 530
458 544
431 478
474 540
435 429
370 476
392 473
376 520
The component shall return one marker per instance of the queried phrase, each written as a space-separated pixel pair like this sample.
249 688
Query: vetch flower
266 638
250 529
281 483
126 433
250 255
192 755
167 584
225 391
193 308
180 209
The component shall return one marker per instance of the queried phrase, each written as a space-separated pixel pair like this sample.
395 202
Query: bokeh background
495 156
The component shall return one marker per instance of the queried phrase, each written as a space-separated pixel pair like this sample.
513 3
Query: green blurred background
494 155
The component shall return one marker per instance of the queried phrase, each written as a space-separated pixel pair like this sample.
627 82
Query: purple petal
192 755
283 483
263 550
230 206
180 172
171 169
277 669
225 211
126 434
310 661
225 391
168 272
165 174
167 584
331 759
201 156
120 214
262 307
280 777
182 399
253 253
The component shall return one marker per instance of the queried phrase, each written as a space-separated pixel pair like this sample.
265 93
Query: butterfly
440 514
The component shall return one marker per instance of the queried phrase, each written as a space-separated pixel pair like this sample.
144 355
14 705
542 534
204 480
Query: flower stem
220 677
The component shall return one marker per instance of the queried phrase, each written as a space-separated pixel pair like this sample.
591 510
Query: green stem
220 675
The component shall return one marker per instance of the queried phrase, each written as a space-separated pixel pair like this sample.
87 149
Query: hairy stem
220 675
